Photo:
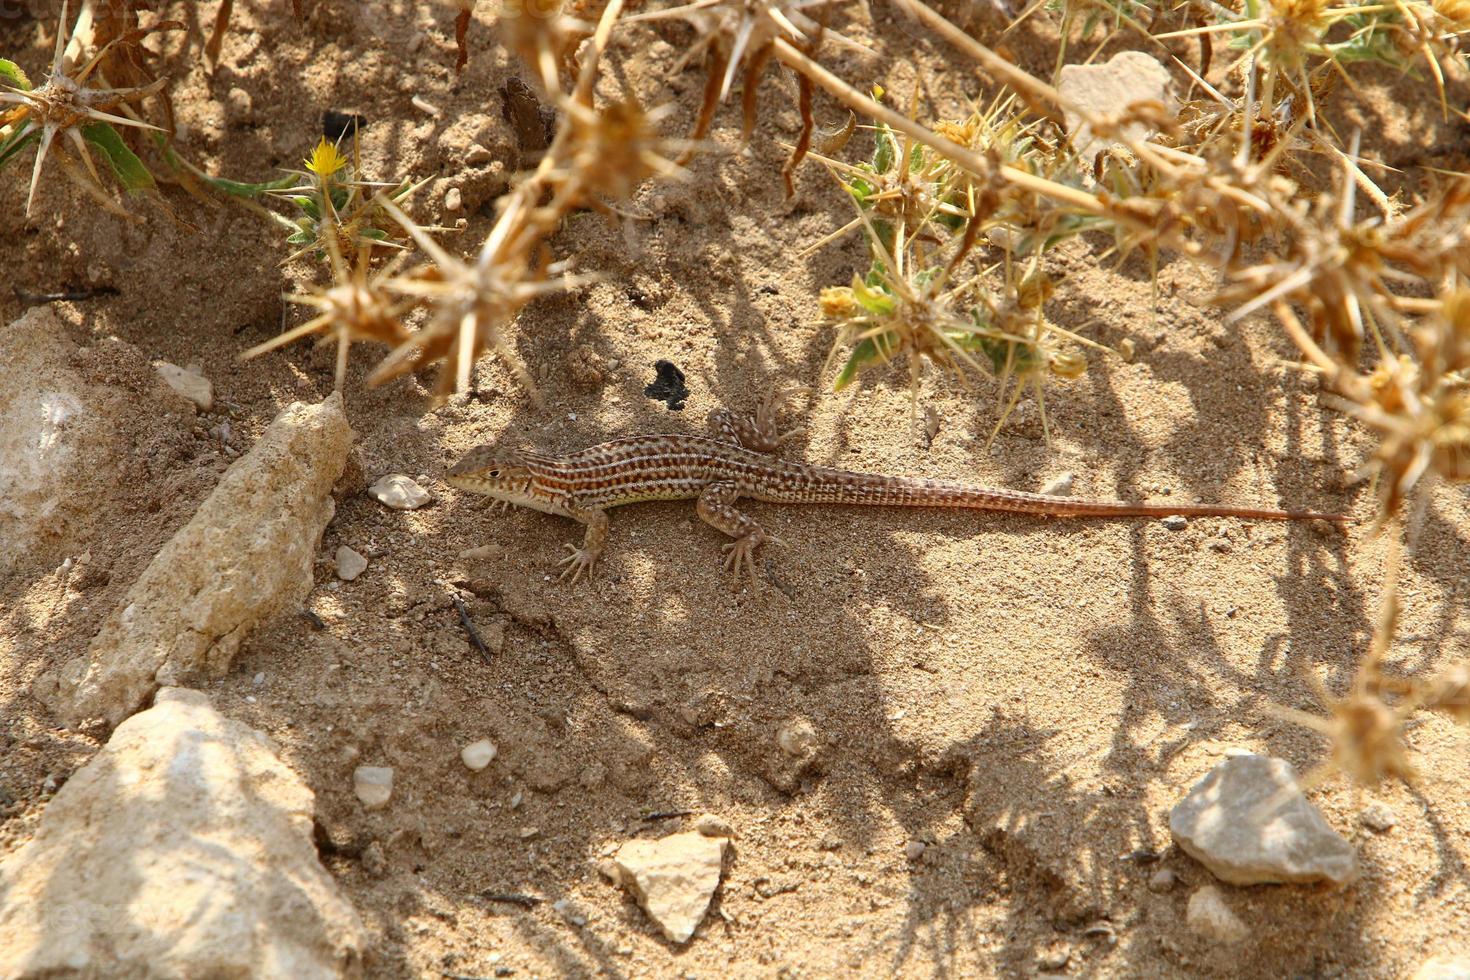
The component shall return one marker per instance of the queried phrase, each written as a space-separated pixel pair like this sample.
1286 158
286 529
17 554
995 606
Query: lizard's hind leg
759 431
717 509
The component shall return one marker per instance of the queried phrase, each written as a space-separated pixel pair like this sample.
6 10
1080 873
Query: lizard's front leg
717 509
759 432
581 560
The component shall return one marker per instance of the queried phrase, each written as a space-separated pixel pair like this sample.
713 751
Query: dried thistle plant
66 105
354 306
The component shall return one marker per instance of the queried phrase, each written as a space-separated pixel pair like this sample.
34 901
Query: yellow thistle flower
325 159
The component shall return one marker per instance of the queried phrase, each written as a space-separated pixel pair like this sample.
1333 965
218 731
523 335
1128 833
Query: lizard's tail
847 487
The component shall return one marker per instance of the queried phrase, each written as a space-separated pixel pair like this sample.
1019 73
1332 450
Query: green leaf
865 353
126 166
16 142
11 73
883 151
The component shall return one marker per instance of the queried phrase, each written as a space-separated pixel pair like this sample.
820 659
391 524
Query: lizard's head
500 473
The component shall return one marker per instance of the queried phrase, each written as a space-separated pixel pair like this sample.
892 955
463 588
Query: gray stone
350 564
1249 823
182 849
1209 916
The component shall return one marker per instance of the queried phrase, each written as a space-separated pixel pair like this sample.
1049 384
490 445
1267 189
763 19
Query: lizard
717 472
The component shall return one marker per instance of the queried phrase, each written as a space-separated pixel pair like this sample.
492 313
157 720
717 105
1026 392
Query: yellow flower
325 160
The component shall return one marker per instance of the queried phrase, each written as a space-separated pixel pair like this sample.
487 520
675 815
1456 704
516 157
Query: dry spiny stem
66 105
354 306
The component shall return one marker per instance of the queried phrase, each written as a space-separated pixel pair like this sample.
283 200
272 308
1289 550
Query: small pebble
1162 880
1221 545
1060 485
1053 960
453 201
482 553
915 849
190 384
349 564
477 155
1210 917
1175 522
1378 817
797 738
711 825
478 755
399 492
373 785
526 833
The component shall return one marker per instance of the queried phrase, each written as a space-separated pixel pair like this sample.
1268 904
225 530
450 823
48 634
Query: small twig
666 815
513 898
469 627
66 296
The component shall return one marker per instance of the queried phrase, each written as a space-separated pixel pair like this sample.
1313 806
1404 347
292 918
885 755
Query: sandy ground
1027 698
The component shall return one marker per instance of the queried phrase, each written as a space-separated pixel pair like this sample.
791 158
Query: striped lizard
718 472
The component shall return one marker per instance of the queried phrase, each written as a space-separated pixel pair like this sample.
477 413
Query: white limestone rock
183 849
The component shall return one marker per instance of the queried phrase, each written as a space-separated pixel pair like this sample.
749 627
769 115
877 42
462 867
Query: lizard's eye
494 474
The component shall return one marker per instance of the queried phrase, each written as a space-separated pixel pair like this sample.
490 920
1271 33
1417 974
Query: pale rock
453 199
914 850
1175 522
713 825
190 384
1060 485
1378 817
1249 823
350 564
70 419
182 849
477 155
1108 89
373 785
797 738
399 492
1162 880
1444 967
674 878
245 556
478 755
1209 916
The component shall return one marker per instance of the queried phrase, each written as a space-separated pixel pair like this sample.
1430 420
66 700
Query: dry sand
1027 698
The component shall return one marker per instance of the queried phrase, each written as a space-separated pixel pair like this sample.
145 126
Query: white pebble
399 492
1176 522
478 755
453 200
915 849
1378 817
1060 485
373 785
349 564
